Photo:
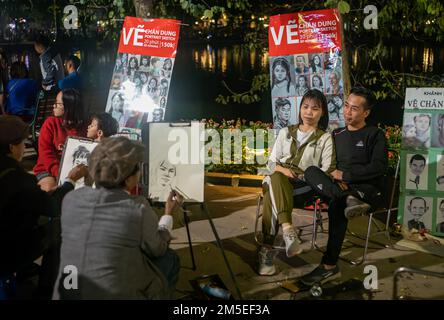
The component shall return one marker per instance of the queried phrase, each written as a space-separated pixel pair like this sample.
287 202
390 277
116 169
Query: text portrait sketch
175 161
418 212
77 151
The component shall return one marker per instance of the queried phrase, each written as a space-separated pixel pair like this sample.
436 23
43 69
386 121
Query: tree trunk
144 8
345 63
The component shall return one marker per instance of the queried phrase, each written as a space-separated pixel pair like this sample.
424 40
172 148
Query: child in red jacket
68 120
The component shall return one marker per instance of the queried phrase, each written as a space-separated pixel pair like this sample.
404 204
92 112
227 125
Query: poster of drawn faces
171 165
77 151
417 174
292 76
139 89
420 209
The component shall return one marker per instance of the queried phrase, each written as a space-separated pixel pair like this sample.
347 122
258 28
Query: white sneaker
266 265
292 243
355 207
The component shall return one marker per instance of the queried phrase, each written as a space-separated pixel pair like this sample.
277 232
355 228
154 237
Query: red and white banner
304 32
305 54
151 37
142 73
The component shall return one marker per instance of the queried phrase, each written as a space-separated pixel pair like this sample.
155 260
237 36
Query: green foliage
244 167
259 84
202 9
343 7
418 19
393 134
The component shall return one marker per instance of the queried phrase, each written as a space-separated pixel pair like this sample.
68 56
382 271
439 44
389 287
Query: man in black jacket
51 64
22 203
357 182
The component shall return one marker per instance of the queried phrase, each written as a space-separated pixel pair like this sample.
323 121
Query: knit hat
12 130
113 160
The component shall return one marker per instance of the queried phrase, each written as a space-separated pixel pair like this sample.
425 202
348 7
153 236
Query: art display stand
421 199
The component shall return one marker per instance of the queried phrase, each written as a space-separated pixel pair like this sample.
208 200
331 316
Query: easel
203 207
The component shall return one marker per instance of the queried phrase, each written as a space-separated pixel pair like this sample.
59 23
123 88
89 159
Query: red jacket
52 139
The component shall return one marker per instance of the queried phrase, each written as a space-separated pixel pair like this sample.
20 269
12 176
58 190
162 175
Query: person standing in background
51 64
73 79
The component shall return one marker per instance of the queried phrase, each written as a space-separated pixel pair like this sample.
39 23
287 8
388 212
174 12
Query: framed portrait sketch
416 130
285 112
77 150
282 77
176 161
439 182
417 212
439 220
417 170
438 130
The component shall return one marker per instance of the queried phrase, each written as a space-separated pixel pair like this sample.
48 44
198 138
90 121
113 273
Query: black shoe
320 275
355 207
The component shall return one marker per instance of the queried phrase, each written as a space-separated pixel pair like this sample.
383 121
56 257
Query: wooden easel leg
219 244
193 262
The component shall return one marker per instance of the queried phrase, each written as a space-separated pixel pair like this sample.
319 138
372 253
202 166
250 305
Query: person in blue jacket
73 80
21 92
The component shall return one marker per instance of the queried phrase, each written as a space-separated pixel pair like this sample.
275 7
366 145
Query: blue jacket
21 96
71 81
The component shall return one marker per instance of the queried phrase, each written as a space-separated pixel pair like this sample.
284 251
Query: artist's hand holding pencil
174 200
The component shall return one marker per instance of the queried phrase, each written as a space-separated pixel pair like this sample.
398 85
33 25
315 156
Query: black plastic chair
387 209
315 202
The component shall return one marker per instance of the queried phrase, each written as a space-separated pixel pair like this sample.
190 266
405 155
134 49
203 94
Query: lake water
201 69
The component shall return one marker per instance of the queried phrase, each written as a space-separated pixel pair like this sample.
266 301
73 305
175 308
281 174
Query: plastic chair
387 209
314 202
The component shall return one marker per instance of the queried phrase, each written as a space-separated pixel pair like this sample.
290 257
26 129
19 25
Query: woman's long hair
284 64
74 114
319 97
315 66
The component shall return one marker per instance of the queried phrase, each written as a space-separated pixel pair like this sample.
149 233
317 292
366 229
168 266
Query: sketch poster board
421 201
77 151
176 160
142 73
305 53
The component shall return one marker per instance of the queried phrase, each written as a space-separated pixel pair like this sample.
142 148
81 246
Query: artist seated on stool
115 240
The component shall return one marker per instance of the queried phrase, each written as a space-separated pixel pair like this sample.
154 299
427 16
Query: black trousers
44 240
337 222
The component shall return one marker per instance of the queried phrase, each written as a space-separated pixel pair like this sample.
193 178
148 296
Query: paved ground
233 210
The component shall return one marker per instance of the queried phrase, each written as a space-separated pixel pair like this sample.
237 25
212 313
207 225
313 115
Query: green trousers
277 205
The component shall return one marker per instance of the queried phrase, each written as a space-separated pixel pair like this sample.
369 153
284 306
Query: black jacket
22 202
362 155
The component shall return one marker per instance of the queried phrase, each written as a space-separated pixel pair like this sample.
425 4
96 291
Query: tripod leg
185 217
221 248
